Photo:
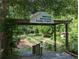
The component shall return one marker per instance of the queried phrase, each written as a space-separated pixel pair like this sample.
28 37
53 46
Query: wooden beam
2 20
73 54
27 22
66 30
5 8
54 37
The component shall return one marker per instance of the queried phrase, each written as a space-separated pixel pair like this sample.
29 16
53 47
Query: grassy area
48 42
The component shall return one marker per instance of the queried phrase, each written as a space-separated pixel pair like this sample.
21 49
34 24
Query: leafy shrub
49 47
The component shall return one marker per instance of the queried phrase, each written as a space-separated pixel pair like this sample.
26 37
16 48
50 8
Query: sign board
41 17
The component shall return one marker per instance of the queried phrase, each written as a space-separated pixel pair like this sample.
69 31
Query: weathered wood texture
37 50
67 41
3 14
27 22
55 38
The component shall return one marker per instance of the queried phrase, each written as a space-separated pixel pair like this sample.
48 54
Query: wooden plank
37 50
27 22
33 50
71 53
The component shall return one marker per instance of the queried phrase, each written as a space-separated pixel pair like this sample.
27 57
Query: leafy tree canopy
23 8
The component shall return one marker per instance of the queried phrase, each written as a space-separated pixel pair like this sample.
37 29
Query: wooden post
3 13
2 20
5 8
66 30
55 37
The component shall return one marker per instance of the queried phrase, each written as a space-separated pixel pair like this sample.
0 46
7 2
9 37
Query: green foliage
49 47
23 9
9 44
74 36
8 28
61 9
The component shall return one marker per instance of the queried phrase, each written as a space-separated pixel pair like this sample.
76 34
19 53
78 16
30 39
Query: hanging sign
41 17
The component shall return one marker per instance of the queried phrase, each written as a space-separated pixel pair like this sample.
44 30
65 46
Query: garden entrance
10 24
37 51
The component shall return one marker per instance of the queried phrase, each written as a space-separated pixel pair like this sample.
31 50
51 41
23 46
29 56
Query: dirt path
50 55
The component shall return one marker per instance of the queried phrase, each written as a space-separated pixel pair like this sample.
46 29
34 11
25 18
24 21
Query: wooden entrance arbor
27 22
56 22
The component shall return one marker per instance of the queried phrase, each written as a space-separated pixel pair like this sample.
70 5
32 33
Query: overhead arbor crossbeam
25 21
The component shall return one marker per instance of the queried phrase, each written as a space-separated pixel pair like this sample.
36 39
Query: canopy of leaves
23 8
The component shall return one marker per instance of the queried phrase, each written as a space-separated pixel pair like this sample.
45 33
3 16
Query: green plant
49 47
